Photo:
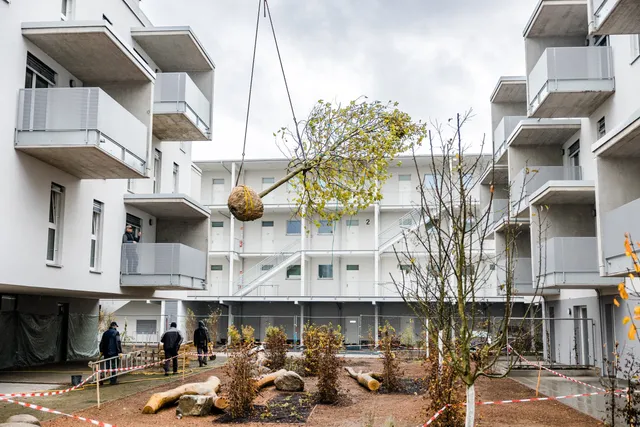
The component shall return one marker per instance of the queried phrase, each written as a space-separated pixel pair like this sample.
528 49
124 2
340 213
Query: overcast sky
436 58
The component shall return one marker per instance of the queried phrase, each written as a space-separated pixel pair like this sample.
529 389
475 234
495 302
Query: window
469 270
429 180
406 222
325 227
8 303
635 47
135 223
601 127
574 154
266 267
39 75
56 203
96 235
146 327
216 267
294 272
217 224
601 41
404 178
176 178
353 267
294 227
267 223
405 268
353 223
268 182
325 271
218 181
157 170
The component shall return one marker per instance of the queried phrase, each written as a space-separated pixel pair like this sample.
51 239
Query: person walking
202 339
110 347
129 240
171 341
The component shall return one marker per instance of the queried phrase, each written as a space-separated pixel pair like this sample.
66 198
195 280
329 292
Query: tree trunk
269 379
208 388
471 406
366 380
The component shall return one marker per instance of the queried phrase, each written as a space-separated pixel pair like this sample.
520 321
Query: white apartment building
566 169
100 108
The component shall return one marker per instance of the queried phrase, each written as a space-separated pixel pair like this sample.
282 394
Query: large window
325 227
294 227
54 238
146 327
294 272
38 75
429 181
96 236
135 223
325 271
157 170
176 178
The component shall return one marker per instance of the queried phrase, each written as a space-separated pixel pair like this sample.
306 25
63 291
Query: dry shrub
191 324
311 338
329 343
276 347
212 324
391 367
242 387
445 388
295 364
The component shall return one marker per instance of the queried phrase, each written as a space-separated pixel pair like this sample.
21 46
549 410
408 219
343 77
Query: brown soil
358 404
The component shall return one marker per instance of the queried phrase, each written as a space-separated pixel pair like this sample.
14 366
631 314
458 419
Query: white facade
565 145
92 93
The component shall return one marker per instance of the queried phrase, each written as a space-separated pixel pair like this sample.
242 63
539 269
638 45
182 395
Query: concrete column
230 314
376 254
301 324
545 345
161 321
376 322
303 247
232 226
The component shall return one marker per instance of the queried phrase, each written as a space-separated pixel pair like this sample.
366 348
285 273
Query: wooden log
269 379
208 388
364 379
377 375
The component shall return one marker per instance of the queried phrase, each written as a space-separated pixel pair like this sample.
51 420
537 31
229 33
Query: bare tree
450 268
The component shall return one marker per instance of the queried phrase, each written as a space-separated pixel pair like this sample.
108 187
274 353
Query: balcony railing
176 93
616 16
80 117
615 224
503 131
497 210
162 266
570 69
532 178
522 276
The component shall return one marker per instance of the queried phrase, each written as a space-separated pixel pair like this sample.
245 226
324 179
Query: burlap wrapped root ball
245 204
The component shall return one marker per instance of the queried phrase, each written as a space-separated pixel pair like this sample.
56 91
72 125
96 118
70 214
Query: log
269 379
364 379
377 375
169 397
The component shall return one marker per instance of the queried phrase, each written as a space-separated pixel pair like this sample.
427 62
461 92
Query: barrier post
539 374
97 369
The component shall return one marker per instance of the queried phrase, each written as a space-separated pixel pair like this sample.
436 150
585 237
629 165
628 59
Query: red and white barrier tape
49 393
436 415
135 368
53 411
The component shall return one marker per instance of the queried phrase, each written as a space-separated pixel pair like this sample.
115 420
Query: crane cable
267 12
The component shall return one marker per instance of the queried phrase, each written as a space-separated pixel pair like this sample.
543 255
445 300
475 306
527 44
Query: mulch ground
357 408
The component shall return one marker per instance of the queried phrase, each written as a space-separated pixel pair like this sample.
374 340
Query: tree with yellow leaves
630 252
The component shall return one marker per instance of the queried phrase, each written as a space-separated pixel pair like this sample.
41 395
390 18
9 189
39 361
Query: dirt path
407 410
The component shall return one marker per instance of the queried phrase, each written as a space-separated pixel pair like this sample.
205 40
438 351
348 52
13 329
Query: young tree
339 156
448 262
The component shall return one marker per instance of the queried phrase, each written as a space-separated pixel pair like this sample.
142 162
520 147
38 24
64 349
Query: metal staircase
258 274
406 223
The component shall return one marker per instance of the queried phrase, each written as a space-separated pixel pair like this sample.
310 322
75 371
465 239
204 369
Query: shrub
212 324
276 347
445 388
242 386
391 368
407 338
191 324
311 338
330 342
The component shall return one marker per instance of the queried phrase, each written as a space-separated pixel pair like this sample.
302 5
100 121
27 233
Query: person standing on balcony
129 240
110 347
202 339
171 341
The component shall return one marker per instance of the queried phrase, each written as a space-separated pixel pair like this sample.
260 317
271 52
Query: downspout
591 16
602 335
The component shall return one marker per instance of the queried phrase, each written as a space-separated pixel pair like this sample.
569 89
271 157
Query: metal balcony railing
176 92
503 131
532 178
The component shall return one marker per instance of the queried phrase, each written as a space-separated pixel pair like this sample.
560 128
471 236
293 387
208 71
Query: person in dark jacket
201 339
111 346
171 341
129 240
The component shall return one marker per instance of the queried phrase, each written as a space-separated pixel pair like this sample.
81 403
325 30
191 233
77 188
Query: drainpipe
545 346
591 17
602 335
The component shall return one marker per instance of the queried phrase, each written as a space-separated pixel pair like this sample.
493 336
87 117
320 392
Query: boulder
16 425
25 419
289 381
195 405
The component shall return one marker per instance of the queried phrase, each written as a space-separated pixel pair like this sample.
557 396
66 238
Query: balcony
543 132
523 284
82 131
621 141
571 262
570 82
616 17
614 225
532 178
497 211
168 206
501 134
181 112
510 89
558 18
162 266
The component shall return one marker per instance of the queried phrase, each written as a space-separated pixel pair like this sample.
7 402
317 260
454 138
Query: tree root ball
245 204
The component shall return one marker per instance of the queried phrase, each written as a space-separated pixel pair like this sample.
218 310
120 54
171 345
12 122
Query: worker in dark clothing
110 347
129 240
201 339
171 341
